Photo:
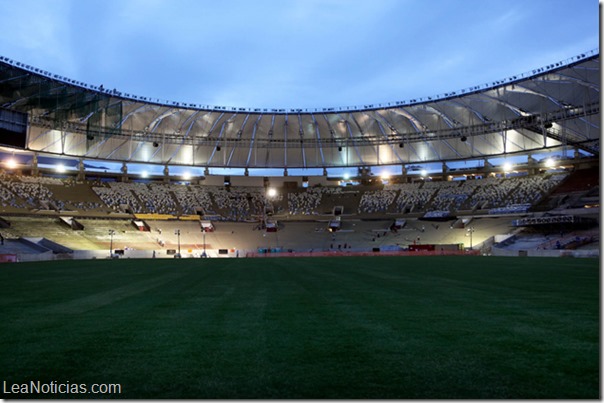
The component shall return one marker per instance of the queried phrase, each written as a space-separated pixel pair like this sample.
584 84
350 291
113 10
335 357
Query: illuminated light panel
11 163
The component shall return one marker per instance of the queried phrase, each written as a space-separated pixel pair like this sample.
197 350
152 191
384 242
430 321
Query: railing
572 238
363 139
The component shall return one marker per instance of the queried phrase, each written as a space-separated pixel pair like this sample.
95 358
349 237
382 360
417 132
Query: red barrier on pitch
7 257
368 253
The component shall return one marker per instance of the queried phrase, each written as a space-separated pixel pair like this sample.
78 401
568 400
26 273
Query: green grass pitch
371 328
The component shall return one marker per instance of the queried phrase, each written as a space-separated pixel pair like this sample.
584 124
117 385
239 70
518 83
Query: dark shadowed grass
375 327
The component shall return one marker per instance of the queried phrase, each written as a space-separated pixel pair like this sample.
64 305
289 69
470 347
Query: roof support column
81 174
124 172
166 174
34 165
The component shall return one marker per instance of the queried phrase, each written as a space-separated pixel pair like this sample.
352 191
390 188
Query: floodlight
507 167
550 163
271 192
424 173
60 168
11 163
144 174
186 176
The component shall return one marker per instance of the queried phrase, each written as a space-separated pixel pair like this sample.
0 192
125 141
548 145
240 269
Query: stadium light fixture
144 174
385 177
60 168
346 176
111 234
11 163
424 173
177 233
469 233
271 192
507 167
550 163
186 176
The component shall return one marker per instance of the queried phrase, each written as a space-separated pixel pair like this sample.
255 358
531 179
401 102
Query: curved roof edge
384 105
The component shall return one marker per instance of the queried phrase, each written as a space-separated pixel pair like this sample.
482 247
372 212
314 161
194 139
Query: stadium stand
472 207
237 210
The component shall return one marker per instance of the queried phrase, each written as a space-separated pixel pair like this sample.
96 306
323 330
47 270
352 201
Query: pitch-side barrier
367 253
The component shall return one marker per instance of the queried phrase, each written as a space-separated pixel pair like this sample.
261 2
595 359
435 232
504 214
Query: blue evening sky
294 53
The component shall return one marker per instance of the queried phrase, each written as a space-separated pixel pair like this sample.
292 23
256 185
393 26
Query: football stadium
439 247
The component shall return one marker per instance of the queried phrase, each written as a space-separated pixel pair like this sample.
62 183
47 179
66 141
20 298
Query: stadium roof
549 108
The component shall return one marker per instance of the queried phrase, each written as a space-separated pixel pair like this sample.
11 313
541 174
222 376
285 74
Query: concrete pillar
34 165
81 173
124 172
166 174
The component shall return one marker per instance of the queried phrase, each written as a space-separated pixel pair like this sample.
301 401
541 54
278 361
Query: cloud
508 19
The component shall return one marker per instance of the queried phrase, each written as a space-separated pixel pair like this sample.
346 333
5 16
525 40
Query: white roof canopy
556 107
